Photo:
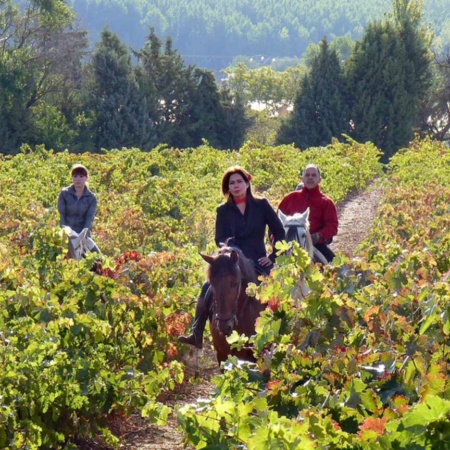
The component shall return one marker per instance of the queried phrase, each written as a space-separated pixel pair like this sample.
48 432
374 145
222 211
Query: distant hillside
209 33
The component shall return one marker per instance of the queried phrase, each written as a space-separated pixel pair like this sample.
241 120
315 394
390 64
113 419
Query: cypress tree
121 114
190 106
165 82
388 76
320 111
204 111
15 117
234 123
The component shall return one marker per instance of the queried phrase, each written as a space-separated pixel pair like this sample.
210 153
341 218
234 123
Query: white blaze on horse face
297 229
78 242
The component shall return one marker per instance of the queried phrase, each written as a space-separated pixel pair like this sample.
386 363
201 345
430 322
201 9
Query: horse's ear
306 213
282 216
234 256
207 258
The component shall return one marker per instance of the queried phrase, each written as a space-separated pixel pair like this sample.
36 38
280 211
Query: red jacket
322 211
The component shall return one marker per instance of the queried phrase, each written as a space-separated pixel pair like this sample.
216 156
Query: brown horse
229 274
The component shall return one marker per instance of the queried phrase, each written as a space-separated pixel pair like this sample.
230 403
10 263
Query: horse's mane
225 265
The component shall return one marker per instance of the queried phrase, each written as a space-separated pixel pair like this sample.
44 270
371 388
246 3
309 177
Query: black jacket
248 230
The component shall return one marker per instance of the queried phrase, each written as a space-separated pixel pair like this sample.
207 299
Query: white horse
296 228
80 243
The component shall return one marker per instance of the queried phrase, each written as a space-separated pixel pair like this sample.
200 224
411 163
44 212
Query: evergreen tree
15 118
165 81
434 115
320 111
388 76
189 106
121 117
234 124
203 113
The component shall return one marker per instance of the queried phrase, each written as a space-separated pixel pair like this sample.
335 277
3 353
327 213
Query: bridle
233 316
293 233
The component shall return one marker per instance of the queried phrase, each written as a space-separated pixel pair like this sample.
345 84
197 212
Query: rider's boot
201 317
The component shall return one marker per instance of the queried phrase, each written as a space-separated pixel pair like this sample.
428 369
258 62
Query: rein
233 315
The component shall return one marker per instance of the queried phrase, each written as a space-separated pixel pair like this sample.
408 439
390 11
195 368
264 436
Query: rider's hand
316 237
264 261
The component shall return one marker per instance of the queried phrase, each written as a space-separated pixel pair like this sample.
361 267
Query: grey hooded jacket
77 213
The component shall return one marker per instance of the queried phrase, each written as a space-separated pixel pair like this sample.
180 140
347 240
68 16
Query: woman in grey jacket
77 205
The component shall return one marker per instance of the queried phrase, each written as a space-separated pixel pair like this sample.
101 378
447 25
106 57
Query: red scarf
240 200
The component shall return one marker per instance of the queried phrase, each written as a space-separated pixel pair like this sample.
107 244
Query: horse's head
225 276
77 247
80 243
297 229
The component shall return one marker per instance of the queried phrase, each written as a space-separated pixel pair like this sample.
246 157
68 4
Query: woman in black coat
241 222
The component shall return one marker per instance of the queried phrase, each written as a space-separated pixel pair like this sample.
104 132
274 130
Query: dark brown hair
226 180
79 169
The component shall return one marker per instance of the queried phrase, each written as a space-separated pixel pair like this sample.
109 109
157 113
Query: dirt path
356 216
201 368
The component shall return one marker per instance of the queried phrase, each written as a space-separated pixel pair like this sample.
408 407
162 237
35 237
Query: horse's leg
220 343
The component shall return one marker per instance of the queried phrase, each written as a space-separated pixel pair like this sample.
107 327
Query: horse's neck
248 273
309 244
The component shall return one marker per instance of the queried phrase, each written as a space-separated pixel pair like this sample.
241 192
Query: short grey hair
311 166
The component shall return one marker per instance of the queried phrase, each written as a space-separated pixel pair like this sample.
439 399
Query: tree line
57 93
213 32
389 87
377 95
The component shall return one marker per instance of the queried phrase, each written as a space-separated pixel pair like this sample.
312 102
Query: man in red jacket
323 220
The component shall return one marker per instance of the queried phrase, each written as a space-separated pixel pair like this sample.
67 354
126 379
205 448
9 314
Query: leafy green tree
320 111
40 59
120 113
264 127
388 76
265 85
